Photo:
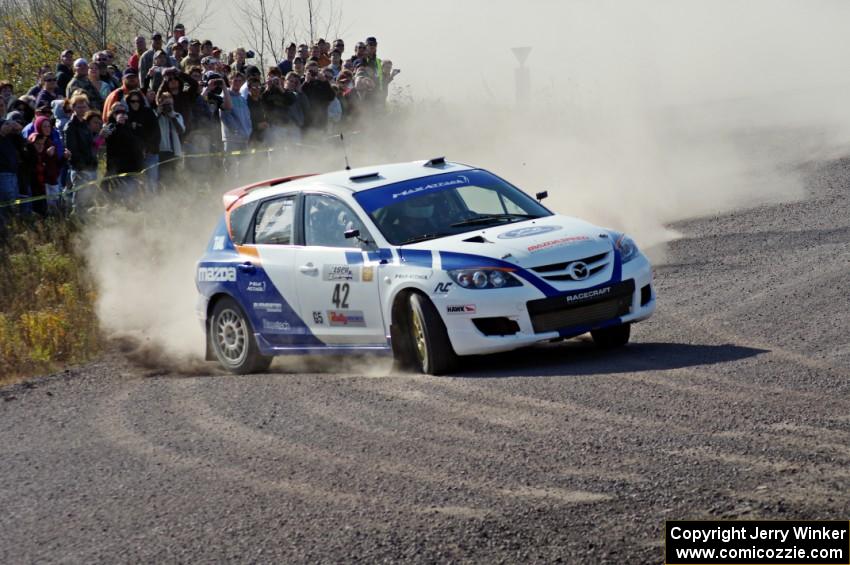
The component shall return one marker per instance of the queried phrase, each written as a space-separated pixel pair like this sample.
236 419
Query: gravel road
732 402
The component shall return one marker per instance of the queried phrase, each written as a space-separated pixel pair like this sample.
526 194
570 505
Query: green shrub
47 314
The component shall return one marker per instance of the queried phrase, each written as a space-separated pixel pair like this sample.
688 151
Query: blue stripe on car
416 257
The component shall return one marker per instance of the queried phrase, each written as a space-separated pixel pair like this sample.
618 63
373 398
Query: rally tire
612 337
232 340
432 352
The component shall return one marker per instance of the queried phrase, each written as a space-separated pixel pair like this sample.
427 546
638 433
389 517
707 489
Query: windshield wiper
492 218
424 237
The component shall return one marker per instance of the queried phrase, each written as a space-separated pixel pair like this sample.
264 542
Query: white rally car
426 260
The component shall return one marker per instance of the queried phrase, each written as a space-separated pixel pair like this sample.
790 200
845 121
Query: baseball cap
156 35
16 116
129 71
211 75
371 41
180 27
80 62
183 39
195 42
67 52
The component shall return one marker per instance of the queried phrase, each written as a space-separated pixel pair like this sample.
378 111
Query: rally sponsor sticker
461 309
346 318
557 242
256 286
368 274
270 307
341 273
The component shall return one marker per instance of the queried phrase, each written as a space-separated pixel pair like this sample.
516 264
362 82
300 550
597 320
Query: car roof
362 178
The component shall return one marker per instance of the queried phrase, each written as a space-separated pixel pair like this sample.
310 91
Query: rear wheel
431 350
232 340
615 336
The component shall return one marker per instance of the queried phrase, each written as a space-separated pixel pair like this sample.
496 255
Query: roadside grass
47 313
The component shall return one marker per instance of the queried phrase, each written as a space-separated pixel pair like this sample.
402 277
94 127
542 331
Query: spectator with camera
147 59
143 123
184 91
124 154
320 94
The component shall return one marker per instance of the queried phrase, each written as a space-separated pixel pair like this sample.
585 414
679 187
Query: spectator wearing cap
141 47
179 50
10 163
193 59
303 51
373 62
298 66
129 83
146 60
124 153
154 78
285 66
320 94
339 46
64 70
49 91
336 63
177 34
206 48
184 91
144 125
276 102
239 63
253 72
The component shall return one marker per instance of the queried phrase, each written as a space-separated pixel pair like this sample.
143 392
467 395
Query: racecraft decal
270 307
340 273
589 294
461 309
217 274
349 318
528 232
557 242
413 276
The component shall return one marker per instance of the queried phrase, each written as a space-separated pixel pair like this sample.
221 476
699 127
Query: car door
338 295
269 294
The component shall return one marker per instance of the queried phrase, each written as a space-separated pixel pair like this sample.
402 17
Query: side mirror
350 234
541 195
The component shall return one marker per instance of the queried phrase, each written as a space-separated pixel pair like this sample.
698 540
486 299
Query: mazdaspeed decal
528 232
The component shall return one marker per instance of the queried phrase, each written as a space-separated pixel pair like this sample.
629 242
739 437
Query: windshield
446 204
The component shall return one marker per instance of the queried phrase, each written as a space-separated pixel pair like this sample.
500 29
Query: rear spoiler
233 196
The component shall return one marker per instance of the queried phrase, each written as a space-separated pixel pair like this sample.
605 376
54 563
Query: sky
672 50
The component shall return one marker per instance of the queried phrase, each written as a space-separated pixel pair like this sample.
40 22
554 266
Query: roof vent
367 176
436 162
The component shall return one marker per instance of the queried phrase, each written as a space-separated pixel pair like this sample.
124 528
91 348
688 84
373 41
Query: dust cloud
640 115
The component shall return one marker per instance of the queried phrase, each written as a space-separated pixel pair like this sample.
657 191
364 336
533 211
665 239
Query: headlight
626 246
483 278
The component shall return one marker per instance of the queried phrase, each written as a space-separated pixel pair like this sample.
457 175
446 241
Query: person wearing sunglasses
144 125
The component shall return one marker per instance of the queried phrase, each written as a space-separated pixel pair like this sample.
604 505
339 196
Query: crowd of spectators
172 99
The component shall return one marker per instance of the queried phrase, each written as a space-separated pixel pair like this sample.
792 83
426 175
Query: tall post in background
522 76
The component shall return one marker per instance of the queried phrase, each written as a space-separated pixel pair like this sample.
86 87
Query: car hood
530 243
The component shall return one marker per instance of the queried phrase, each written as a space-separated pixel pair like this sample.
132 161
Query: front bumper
463 311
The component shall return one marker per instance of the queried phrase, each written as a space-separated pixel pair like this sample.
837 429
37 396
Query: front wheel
233 341
432 352
615 336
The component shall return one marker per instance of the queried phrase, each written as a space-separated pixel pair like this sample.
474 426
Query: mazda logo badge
578 271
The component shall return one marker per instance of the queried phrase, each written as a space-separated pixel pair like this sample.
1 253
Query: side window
274 221
326 219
